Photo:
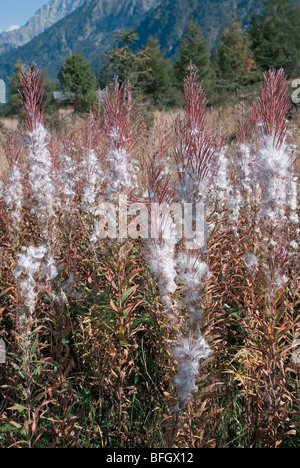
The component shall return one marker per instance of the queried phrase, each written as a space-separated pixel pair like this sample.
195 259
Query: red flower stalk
274 105
32 95
122 134
12 151
195 108
196 147
119 120
156 168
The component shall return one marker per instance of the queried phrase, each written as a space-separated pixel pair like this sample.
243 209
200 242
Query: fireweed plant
150 276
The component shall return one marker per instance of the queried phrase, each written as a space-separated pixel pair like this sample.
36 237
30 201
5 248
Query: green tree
120 60
194 49
14 105
295 27
236 59
49 86
275 36
155 77
78 82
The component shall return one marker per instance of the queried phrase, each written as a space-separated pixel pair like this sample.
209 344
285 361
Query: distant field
3 161
5 126
222 118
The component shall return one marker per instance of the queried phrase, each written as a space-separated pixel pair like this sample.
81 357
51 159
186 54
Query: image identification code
153 457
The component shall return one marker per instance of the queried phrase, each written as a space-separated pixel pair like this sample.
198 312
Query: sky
15 13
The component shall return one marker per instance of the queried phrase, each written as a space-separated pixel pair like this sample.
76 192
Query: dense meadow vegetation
121 339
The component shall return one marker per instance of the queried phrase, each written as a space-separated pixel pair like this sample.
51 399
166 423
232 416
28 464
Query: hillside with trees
237 62
92 29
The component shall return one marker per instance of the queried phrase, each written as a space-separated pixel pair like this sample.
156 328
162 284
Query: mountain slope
88 30
45 17
168 21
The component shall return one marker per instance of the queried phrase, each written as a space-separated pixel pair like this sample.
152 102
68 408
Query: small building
59 96
2 92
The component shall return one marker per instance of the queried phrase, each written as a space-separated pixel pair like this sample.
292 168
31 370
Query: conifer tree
120 60
236 59
194 49
14 105
275 36
155 74
78 82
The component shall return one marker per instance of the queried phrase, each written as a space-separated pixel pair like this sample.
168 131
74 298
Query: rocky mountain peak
44 18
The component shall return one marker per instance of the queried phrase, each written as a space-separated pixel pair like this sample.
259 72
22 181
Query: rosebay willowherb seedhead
151 267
